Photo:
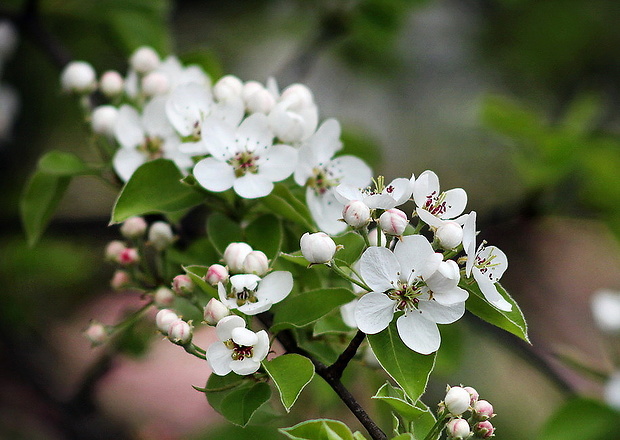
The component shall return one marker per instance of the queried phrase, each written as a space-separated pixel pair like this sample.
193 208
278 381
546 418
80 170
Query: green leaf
353 247
236 397
295 257
197 274
320 429
39 201
409 369
290 373
154 187
222 231
308 307
358 436
582 419
265 234
512 321
58 163
330 323
405 436
282 207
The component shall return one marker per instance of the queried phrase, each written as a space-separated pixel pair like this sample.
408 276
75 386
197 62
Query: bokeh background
516 101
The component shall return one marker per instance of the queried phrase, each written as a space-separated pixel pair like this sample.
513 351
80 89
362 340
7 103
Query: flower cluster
460 401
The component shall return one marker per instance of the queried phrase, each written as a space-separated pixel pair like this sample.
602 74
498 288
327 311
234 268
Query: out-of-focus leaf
582 419
321 429
290 373
511 119
61 164
265 234
353 246
222 231
280 206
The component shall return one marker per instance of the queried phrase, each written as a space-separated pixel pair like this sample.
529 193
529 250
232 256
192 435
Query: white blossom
445 205
605 305
397 192
251 294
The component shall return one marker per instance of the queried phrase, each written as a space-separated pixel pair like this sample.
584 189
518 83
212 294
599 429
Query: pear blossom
251 294
449 233
243 158
445 205
144 59
295 115
394 194
145 137
238 349
320 172
415 280
317 248
486 263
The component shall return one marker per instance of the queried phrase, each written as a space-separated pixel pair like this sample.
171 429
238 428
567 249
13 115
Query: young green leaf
320 429
222 231
409 369
290 373
353 246
265 234
581 419
282 207
61 164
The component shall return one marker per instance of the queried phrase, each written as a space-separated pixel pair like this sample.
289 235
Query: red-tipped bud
216 274
457 400
120 280
182 285
356 214
180 332
483 410
215 311
458 429
163 296
234 256
164 318
114 249
97 333
393 222
484 429
128 257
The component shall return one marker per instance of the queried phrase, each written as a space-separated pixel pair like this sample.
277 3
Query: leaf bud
317 248
356 214
234 256
458 429
164 318
256 262
144 60
216 273
111 83
457 400
133 227
160 235
103 120
484 429
393 222
163 296
214 311
78 77
180 332
449 235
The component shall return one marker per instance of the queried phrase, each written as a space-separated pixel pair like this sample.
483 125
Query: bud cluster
468 417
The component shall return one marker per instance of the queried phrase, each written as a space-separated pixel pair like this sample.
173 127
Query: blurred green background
516 101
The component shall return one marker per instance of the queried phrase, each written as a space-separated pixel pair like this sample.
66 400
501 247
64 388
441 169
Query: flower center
486 265
152 147
407 296
239 352
321 181
243 163
243 296
436 204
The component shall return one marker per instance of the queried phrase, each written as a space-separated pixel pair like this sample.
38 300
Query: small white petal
413 253
498 262
379 268
429 218
374 312
425 185
243 336
278 162
255 308
451 296
187 106
456 201
418 333
245 366
128 128
442 314
275 286
154 118
219 358
350 170
261 348
214 175
400 190
126 161
469 241
345 193
326 211
252 186
488 289
226 325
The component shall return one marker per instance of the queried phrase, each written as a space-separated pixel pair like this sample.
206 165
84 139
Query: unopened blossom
317 248
78 77
448 233
103 120
120 279
251 294
182 285
393 222
484 429
144 59
164 318
234 256
160 235
128 257
238 349
134 227
163 297
155 83
611 391
458 429
228 86
180 332
413 279
216 273
256 262
111 83
457 400
486 263
605 304
294 117
97 333
444 205
394 194
483 410
473 394
356 214
321 173
113 250
214 311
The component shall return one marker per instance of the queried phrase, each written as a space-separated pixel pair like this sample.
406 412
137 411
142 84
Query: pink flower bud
164 318
97 333
356 214
180 332
111 83
160 235
473 394
483 410
134 227
182 285
317 248
484 429
458 429
114 249
457 400
393 222
227 87
128 257
235 254
78 77
163 296
216 274
449 235
215 311
120 279
144 60
155 83
103 120
256 262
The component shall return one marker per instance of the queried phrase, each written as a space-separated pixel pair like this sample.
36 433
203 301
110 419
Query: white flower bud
260 101
103 120
111 83
606 310
473 394
144 60
235 254
611 393
216 274
483 410
97 333
356 214
182 285
214 311
160 235
317 248
484 429
78 77
393 222
227 87
449 235
120 279
180 332
114 249
163 296
128 257
249 88
133 227
164 318
298 95
457 400
256 262
458 429
155 83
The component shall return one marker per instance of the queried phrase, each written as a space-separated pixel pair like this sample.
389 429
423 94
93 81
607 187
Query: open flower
243 157
251 295
486 263
415 280
394 194
445 205
239 350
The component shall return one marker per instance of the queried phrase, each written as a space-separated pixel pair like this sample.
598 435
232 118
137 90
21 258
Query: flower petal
427 184
456 201
278 162
498 262
154 118
418 333
275 286
244 336
186 107
255 308
252 186
214 175
245 366
345 193
429 218
440 313
488 289
350 170
374 312
379 268
413 253
261 348
219 358
400 190
469 241
226 325
128 129
126 161
326 211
